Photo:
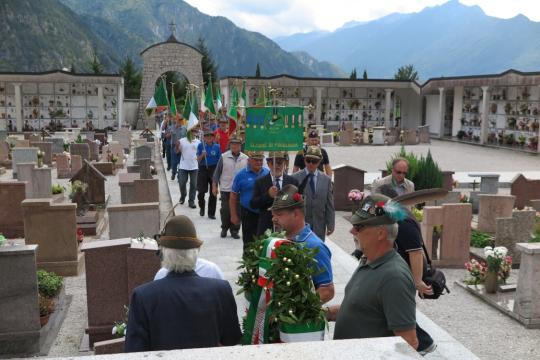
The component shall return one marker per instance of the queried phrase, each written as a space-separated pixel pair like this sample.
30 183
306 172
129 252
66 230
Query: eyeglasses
312 161
358 227
401 172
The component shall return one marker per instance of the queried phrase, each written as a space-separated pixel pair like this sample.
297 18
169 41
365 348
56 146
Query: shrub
49 284
428 174
46 305
480 239
57 189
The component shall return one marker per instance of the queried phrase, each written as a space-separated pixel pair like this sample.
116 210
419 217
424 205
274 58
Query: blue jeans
182 181
175 160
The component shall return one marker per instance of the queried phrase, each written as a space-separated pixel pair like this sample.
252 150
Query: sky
285 17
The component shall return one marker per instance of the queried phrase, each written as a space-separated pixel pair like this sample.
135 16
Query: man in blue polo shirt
242 190
288 213
208 154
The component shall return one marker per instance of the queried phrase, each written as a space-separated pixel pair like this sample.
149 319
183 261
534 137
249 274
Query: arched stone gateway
160 58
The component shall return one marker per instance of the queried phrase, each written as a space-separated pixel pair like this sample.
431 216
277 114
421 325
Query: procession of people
257 196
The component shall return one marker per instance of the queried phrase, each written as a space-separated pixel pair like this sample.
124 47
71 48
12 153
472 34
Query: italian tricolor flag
159 101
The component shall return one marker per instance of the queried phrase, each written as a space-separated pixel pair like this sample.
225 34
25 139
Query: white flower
500 251
114 330
489 253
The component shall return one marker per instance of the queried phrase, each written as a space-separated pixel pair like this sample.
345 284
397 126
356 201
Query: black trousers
225 214
167 152
250 220
424 339
204 185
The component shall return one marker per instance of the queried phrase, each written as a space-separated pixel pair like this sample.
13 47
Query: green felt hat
255 154
276 154
376 210
314 151
288 198
179 233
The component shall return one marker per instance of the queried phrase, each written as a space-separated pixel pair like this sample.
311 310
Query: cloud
284 17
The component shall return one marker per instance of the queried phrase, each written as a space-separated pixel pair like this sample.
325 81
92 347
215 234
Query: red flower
297 197
380 203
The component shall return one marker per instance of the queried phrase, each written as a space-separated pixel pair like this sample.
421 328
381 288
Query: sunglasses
401 172
312 161
358 227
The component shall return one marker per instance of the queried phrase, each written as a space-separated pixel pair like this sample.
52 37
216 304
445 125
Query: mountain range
41 35
451 39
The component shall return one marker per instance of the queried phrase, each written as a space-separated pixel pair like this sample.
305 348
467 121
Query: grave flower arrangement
477 271
49 286
120 328
276 275
356 197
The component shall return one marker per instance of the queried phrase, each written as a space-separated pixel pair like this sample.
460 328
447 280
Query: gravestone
19 309
139 191
527 299
12 194
106 168
113 269
145 170
46 148
115 149
535 204
3 135
63 166
448 180
57 145
143 152
39 180
32 138
489 183
135 169
409 137
88 174
83 150
94 150
22 143
453 197
90 135
423 134
346 178
126 220
23 155
456 232
378 135
53 227
76 164
524 190
4 152
517 229
123 136
493 207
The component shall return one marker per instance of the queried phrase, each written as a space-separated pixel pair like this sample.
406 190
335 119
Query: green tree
258 71
209 67
353 74
95 66
132 78
73 69
364 76
406 72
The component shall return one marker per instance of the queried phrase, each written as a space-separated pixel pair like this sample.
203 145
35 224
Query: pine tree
364 76
95 66
258 71
132 79
406 72
209 68
429 175
353 74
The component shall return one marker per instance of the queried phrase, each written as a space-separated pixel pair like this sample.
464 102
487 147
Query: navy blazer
262 201
182 311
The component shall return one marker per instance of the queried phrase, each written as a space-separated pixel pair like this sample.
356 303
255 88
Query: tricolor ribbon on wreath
258 318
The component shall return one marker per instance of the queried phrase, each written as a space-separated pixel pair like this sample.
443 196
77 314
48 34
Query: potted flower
461 134
120 328
509 139
512 123
77 195
494 259
477 271
533 142
46 308
521 140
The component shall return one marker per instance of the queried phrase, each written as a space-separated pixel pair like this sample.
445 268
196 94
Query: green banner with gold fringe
274 128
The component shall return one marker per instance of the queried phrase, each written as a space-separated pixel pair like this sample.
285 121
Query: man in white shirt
188 167
203 268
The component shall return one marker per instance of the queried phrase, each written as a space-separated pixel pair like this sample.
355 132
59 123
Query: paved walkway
227 252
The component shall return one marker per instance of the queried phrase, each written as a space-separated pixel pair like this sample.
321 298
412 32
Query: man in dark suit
182 310
267 187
